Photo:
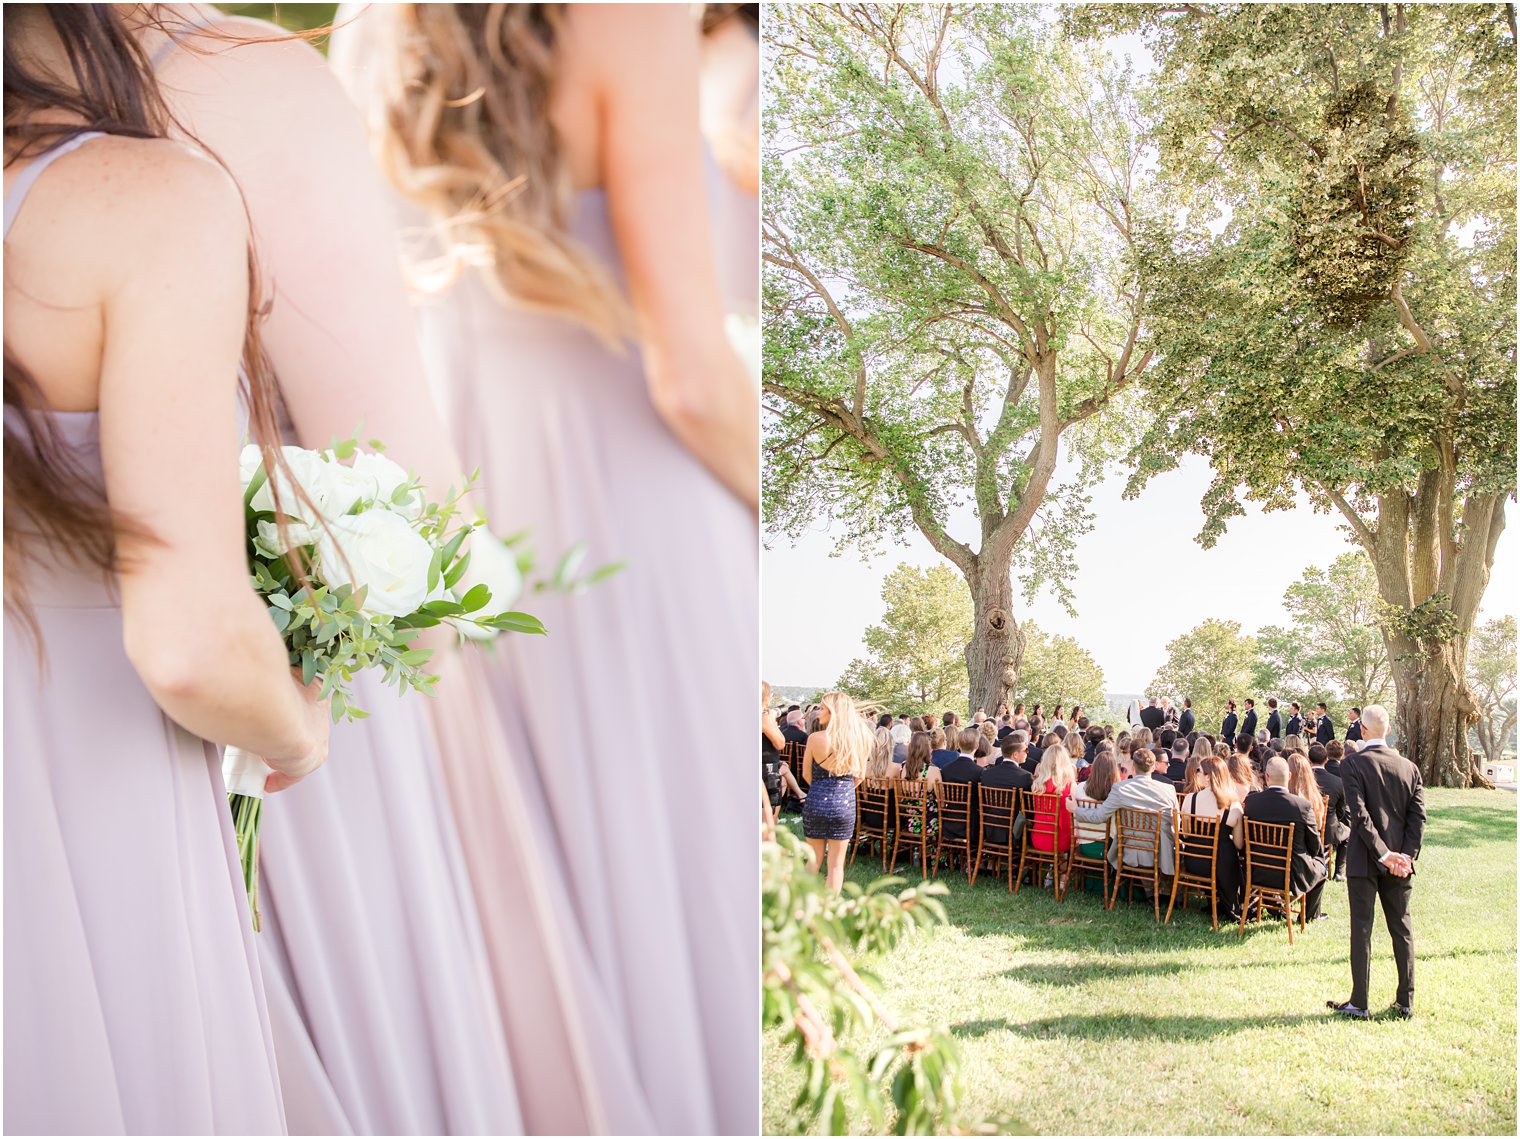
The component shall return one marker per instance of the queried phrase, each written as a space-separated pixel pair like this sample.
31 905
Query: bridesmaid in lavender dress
133 999
645 448
380 992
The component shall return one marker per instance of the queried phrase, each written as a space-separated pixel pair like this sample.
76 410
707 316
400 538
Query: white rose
388 477
494 564
383 554
297 534
332 490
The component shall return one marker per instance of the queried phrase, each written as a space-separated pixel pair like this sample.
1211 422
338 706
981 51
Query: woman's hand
289 772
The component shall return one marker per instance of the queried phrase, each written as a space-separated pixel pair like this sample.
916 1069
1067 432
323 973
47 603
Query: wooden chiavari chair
873 816
1085 865
1269 861
1042 815
998 807
1197 838
910 806
954 802
791 755
1138 832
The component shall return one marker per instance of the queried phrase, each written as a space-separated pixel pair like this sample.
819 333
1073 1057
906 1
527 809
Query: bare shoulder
248 59
616 42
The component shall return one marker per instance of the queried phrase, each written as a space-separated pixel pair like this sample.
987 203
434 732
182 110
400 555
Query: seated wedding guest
1058 729
1324 730
1338 813
963 769
1009 770
1241 768
1292 742
1276 804
901 734
1186 721
1202 748
883 764
884 721
1162 769
951 723
985 748
1217 796
943 753
1036 728
793 729
1142 793
1192 775
1054 776
1354 728
919 765
1094 737
1180 752
1091 838
1301 782
1334 752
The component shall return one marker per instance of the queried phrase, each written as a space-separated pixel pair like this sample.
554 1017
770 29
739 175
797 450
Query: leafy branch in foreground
816 994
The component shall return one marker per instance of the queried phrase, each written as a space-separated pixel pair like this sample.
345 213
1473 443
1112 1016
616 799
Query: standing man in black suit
1248 721
1152 716
1187 721
1295 720
1324 730
1354 729
1274 719
1276 804
1337 814
1227 731
1386 799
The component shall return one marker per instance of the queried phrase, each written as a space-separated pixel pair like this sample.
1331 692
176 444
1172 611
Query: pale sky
814 607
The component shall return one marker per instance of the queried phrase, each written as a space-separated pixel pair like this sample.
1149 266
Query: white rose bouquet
362 562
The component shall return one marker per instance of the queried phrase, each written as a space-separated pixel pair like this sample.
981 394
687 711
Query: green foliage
1209 664
1491 672
916 657
950 287
819 1000
291 17
1333 649
1058 670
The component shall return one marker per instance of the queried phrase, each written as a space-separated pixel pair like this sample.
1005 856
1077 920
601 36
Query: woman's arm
771 732
174 314
646 60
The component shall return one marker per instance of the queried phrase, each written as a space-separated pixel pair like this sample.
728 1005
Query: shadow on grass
1110 1027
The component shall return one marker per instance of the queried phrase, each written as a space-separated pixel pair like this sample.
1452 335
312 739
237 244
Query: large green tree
1348 332
1333 644
952 203
1209 664
1491 671
915 658
1058 670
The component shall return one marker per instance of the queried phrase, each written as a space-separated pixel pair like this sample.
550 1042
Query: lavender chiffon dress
133 998
622 751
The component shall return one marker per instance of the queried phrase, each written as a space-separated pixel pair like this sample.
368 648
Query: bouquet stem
244 774
246 812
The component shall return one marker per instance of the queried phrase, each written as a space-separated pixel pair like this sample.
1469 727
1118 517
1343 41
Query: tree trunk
1436 709
996 651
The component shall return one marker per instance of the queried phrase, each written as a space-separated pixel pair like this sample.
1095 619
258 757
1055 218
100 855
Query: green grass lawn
1074 1019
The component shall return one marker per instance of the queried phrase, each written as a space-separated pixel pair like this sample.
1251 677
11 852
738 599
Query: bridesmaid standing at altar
383 1006
578 348
133 999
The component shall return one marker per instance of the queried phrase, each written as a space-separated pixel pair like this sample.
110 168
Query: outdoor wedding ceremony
1138 615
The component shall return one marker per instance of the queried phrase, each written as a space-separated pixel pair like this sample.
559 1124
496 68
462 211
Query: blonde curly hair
456 98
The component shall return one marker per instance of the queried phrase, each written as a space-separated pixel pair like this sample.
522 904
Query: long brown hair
1102 777
50 502
457 105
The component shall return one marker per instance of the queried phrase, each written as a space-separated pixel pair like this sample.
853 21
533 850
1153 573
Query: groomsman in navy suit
1248 723
1354 729
1274 719
1324 730
1295 720
1227 729
1187 721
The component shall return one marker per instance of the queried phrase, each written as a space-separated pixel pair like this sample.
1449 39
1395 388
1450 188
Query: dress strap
28 177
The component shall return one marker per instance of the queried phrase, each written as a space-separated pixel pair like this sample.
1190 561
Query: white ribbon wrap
244 772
